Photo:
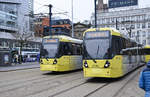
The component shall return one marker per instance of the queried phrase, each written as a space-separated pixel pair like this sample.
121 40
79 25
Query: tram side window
79 49
123 43
116 45
146 51
66 49
76 49
69 49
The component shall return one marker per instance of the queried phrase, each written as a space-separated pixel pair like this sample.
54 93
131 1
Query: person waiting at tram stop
144 81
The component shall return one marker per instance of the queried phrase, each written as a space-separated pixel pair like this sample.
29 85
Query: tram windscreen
50 48
97 46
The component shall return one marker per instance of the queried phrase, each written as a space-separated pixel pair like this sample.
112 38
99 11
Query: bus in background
30 54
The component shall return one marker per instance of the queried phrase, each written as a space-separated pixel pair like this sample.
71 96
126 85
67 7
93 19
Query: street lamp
72 20
95 14
50 18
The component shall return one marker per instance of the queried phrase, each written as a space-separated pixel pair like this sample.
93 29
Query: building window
144 42
148 25
148 42
133 18
143 25
138 33
133 26
148 33
144 34
6 44
133 34
112 20
138 25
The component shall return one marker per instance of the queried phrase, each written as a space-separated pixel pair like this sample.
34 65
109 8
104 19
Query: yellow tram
146 52
109 54
61 53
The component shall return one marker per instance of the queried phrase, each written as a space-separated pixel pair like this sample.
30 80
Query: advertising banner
122 3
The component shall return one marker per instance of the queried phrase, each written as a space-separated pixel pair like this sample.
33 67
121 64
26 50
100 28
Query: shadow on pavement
60 73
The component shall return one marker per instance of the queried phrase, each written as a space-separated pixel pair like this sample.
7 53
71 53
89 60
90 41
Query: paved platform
22 66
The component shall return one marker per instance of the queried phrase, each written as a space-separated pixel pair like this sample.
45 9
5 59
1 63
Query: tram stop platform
14 67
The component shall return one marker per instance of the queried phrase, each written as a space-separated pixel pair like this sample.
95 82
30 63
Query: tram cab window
64 49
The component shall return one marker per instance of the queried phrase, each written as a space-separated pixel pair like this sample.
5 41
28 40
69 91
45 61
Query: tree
23 39
23 35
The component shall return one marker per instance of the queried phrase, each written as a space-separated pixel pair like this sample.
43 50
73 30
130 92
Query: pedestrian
38 57
15 58
144 81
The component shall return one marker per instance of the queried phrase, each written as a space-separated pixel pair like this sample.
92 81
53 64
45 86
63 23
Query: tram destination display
98 34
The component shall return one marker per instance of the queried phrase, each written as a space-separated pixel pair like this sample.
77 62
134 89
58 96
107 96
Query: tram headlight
107 64
41 61
55 61
85 64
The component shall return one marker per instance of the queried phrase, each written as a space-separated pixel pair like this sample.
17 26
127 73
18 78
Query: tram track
80 86
45 82
67 89
56 87
31 78
104 87
96 90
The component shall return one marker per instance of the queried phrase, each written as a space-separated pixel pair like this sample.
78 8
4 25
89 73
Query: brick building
61 26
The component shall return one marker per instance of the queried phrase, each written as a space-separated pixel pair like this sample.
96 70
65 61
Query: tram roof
112 30
147 46
64 38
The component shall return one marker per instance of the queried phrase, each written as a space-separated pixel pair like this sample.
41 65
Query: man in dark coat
144 81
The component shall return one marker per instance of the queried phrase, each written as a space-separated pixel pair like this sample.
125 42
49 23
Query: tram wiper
89 55
97 51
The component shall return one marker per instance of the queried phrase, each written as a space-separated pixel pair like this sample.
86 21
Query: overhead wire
60 11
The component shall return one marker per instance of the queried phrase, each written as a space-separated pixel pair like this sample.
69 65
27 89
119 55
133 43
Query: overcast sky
82 8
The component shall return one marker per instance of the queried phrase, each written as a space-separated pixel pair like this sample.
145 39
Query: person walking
144 81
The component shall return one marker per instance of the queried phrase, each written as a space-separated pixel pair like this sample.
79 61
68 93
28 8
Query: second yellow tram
109 54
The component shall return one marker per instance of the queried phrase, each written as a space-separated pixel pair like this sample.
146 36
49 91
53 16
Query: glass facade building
15 15
8 17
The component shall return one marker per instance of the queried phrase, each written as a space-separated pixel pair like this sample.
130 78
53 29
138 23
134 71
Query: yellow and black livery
146 52
108 54
61 53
